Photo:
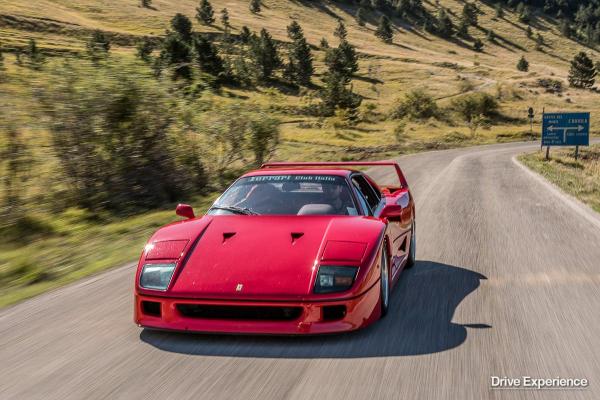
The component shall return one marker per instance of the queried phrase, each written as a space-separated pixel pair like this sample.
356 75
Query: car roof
301 171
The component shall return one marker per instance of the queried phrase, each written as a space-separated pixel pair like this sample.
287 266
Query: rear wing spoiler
336 164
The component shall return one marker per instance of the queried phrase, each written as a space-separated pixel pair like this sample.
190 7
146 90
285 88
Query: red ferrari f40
290 248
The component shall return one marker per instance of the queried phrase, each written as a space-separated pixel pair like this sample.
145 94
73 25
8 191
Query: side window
361 199
367 191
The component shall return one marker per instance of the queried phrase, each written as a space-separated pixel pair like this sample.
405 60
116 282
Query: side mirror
393 212
184 210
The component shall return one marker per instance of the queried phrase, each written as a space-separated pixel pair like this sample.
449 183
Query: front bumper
283 318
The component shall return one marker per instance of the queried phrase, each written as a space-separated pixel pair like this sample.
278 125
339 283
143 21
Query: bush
112 132
476 109
415 105
231 135
550 85
471 105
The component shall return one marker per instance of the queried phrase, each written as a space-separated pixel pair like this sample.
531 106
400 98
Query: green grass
580 178
73 244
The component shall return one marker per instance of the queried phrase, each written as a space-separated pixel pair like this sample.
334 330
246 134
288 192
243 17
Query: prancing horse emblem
239 287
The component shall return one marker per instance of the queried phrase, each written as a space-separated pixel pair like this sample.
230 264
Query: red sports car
291 248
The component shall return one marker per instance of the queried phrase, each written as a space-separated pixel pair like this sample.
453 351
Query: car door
398 230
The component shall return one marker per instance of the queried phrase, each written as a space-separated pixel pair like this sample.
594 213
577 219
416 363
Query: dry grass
415 60
579 178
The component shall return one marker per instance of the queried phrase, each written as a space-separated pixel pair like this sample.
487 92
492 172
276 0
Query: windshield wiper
236 210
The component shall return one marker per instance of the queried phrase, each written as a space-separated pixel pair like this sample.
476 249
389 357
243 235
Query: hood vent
296 236
228 235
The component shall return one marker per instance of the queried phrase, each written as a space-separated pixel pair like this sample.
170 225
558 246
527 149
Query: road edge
84 281
578 206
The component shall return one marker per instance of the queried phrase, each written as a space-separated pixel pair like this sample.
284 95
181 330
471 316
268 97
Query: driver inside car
263 199
338 198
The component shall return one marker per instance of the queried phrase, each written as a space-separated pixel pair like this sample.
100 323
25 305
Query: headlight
334 279
156 276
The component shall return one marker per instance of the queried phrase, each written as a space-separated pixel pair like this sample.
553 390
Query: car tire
412 251
385 281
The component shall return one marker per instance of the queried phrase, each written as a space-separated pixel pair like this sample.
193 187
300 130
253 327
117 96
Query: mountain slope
445 68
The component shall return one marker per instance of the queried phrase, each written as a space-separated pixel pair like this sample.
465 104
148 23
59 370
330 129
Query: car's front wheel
385 282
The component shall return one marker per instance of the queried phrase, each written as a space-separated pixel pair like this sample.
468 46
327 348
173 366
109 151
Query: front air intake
250 313
151 308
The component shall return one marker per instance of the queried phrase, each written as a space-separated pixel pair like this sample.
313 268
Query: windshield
287 195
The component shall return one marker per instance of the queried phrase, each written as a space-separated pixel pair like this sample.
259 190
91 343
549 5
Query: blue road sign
566 129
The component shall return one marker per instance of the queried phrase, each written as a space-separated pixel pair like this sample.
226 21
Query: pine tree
146 3
469 13
343 61
98 45
444 24
176 53
294 31
349 56
589 35
36 59
207 56
491 36
565 28
499 11
361 16
384 30
225 19
264 55
539 42
463 28
478 45
529 32
524 14
324 44
245 34
145 47
583 72
182 27
300 66
336 93
340 30
205 13
523 64
255 6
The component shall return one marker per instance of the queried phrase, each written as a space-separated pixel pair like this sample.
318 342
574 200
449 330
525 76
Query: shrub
471 105
523 64
415 104
111 129
476 109
550 85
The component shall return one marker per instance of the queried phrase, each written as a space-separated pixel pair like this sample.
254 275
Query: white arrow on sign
553 128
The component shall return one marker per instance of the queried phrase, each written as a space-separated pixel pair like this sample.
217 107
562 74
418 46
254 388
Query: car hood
269 257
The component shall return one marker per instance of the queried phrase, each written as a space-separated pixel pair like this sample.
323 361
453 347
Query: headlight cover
331 279
156 276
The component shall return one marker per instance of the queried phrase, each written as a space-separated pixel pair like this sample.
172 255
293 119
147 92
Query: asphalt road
507 284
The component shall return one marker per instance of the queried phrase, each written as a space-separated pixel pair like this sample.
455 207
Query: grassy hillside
57 242
444 68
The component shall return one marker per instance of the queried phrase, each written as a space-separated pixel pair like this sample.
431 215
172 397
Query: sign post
531 115
566 129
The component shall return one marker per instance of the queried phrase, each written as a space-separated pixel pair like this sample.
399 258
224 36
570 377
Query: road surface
507 284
